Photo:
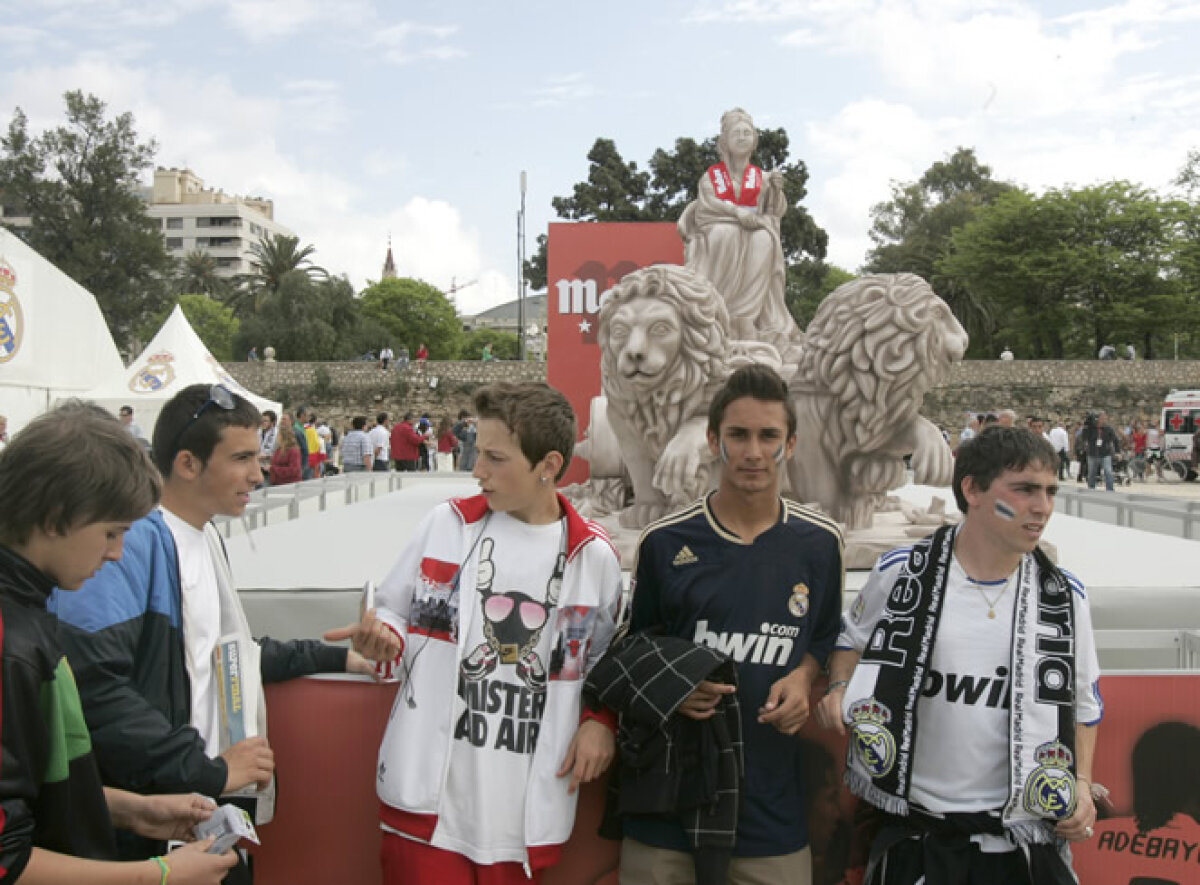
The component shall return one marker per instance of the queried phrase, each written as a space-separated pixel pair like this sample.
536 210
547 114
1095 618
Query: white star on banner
585 326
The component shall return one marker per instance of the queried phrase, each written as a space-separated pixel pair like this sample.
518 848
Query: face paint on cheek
1004 510
780 453
724 453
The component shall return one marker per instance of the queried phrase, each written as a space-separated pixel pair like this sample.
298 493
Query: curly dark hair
1166 774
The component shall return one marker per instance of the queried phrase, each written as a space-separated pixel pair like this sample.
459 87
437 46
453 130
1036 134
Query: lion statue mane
874 348
664 345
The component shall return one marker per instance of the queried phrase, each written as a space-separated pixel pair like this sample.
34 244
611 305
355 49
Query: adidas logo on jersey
684 557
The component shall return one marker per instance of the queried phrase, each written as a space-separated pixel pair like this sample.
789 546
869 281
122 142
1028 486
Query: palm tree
273 259
196 274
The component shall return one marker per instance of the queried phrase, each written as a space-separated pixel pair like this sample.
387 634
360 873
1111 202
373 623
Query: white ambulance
1180 419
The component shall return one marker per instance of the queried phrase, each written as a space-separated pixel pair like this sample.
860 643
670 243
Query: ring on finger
1088 832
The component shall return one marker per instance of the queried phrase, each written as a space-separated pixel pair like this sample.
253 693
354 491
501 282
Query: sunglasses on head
218 395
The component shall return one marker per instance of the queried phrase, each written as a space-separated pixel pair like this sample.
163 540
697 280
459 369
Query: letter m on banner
584 262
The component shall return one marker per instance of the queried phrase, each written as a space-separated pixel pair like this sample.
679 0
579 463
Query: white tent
54 342
175 358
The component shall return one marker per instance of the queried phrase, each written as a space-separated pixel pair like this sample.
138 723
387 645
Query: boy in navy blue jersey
760 578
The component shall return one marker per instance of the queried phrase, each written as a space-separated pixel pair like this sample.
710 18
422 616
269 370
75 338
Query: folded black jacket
669 764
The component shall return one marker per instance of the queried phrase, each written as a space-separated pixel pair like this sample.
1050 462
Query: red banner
584 262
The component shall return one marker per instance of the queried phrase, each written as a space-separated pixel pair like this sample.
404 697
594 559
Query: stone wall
338 391
1052 389
1059 389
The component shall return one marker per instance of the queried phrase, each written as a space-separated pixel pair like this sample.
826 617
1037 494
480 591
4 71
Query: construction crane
456 286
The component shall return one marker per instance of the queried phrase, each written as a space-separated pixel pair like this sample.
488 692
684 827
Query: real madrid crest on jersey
798 603
155 375
1050 789
872 743
12 323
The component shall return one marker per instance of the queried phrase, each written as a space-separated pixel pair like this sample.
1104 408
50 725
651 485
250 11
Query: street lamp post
521 273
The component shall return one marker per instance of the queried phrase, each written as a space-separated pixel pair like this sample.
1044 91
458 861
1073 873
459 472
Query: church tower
389 265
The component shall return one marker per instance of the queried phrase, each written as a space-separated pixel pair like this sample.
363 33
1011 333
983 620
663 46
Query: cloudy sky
361 118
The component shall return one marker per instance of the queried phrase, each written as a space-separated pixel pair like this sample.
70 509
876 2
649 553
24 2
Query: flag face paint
779 454
1004 510
724 453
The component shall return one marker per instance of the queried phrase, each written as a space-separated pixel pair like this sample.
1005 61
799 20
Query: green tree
307 319
617 190
272 259
413 312
1074 269
912 232
504 344
78 185
808 282
213 322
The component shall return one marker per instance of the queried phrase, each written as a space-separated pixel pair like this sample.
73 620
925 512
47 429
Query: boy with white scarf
975 637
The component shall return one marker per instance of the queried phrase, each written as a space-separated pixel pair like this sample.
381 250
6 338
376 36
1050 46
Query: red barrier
326 735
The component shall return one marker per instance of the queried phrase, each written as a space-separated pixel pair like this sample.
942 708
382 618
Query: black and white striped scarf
882 698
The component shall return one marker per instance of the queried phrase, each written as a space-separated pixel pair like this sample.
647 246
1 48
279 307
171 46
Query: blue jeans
1095 463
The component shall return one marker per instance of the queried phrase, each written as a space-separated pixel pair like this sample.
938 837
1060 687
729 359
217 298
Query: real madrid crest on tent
12 323
155 374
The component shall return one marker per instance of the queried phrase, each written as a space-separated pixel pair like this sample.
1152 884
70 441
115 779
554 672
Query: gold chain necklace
990 602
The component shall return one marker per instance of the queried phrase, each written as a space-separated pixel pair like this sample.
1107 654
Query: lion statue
665 349
876 345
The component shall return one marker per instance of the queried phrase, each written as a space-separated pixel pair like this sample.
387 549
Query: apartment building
195 217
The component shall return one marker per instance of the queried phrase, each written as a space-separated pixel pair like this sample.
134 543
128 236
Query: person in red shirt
406 444
447 444
422 352
286 466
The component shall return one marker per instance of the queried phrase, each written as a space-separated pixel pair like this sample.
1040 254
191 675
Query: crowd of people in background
1092 449
303 446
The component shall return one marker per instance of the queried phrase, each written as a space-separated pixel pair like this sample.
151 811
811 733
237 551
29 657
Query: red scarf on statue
722 183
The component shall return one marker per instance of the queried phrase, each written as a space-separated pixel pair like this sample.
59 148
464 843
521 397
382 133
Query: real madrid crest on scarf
870 740
1050 788
798 603
12 323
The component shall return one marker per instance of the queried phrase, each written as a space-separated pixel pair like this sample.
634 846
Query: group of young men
520 665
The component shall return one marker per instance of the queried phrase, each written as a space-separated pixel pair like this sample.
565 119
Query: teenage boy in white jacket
500 605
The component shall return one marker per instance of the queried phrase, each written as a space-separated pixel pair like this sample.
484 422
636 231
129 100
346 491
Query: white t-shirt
494 740
966 693
382 440
201 598
1058 438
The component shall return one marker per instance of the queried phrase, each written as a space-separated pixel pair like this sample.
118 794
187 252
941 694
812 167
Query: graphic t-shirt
966 693
503 673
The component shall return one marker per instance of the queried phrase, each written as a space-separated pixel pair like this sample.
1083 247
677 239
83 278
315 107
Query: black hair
759 382
358 422
178 430
994 450
1166 773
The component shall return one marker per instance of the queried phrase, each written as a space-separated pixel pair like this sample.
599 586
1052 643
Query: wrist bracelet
834 686
164 870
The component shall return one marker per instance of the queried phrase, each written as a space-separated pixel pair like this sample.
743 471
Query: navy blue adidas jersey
766 604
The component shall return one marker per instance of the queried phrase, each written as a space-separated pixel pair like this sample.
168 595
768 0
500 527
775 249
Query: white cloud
561 89
856 156
406 42
263 20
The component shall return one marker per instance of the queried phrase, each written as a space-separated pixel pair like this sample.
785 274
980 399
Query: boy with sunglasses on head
72 481
500 605
141 634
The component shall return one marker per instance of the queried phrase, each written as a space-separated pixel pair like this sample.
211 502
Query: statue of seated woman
731 236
